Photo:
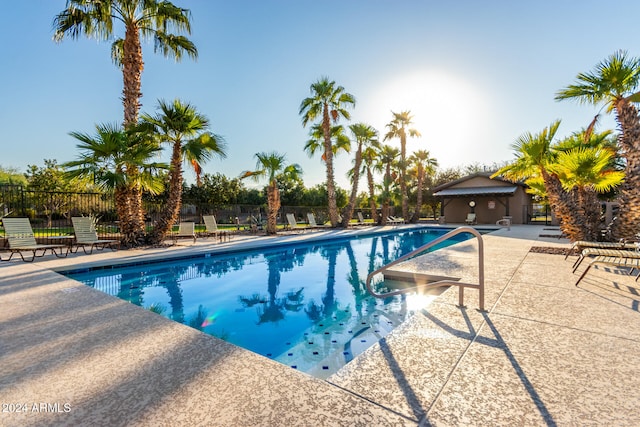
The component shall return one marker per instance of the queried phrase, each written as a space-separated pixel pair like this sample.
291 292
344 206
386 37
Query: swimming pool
303 305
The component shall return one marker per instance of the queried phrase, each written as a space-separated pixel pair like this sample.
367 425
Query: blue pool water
303 305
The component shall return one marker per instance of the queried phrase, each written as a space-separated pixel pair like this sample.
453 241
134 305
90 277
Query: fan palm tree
371 164
399 128
327 102
141 19
534 154
584 172
315 143
388 162
272 165
180 125
424 165
614 82
120 161
365 136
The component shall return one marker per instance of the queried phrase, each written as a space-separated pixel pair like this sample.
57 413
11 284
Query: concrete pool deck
543 353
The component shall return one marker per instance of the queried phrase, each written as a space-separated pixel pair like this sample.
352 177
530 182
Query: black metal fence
50 212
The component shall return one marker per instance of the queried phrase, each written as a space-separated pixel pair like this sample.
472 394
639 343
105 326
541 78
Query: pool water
305 306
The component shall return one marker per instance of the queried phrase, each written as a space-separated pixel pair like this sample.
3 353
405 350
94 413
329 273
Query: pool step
337 344
397 279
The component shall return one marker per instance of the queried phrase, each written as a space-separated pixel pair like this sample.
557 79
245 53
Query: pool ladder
439 283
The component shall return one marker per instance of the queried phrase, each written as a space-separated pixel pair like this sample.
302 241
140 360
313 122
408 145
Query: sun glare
447 110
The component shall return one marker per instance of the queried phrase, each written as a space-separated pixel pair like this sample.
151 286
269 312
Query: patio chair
211 228
211 225
185 229
395 220
255 224
360 219
596 252
581 245
86 236
632 263
471 219
20 237
312 221
293 224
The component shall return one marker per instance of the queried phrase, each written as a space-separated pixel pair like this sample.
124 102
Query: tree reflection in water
271 308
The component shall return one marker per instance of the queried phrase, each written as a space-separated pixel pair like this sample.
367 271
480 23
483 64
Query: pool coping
111 375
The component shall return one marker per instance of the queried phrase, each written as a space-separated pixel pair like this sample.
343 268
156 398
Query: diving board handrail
439 283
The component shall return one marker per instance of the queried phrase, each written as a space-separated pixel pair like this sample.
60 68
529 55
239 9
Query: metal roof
477 191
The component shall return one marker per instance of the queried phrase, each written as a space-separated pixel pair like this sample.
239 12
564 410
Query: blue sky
475 74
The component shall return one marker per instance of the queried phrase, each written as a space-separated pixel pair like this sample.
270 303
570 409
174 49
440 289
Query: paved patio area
543 353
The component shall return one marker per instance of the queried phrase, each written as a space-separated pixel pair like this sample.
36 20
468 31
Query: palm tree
365 136
271 165
399 128
424 165
180 125
585 172
614 83
328 102
142 19
315 143
120 161
370 164
388 162
534 154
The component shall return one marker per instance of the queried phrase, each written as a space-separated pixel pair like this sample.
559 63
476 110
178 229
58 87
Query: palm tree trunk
128 200
348 212
385 212
372 197
328 158
403 176
273 203
627 224
132 66
132 215
591 209
416 215
171 212
563 206
129 229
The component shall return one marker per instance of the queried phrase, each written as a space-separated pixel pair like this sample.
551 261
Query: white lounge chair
20 237
186 229
395 220
471 219
212 229
360 218
312 221
86 236
293 224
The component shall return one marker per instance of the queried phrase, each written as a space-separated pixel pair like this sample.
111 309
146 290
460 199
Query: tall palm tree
399 128
185 129
614 82
142 19
365 136
370 164
120 161
424 165
327 102
388 161
272 165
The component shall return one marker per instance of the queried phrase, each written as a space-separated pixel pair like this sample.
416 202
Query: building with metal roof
489 199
